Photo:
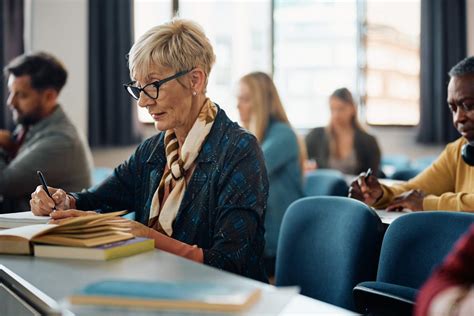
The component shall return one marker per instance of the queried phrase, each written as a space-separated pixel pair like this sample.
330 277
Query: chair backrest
406 174
392 163
415 243
328 245
99 174
323 182
423 162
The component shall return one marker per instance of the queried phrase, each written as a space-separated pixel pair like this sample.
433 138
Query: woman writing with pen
199 187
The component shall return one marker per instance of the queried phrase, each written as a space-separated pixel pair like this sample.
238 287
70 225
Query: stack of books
93 237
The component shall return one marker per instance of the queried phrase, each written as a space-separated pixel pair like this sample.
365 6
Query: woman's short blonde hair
179 44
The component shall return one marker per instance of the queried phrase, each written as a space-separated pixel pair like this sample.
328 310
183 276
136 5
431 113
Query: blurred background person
450 289
44 137
447 183
262 113
343 144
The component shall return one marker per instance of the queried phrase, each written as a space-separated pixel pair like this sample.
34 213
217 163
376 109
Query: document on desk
12 220
389 217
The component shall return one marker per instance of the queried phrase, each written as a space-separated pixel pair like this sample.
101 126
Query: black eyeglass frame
130 87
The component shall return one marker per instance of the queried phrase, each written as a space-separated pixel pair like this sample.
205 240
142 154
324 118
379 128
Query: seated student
262 113
450 290
447 184
343 144
199 188
44 138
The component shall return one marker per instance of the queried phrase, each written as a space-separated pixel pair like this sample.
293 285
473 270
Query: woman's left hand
138 229
59 215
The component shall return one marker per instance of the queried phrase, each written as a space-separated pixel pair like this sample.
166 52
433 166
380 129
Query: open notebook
11 220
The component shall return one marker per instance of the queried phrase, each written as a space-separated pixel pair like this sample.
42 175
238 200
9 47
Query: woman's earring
194 93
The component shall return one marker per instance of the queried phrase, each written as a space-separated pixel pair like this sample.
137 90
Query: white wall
470 27
60 27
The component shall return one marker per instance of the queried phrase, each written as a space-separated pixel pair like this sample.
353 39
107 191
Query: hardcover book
84 231
110 251
167 295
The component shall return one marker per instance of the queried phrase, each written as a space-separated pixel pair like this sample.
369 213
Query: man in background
448 183
44 138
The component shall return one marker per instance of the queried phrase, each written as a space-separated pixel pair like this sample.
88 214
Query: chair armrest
379 298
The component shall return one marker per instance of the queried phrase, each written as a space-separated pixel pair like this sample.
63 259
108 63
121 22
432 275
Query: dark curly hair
464 67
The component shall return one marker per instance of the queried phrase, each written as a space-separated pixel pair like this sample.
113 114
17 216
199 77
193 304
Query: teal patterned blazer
223 209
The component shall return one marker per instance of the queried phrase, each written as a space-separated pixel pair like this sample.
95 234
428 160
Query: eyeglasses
466 106
152 89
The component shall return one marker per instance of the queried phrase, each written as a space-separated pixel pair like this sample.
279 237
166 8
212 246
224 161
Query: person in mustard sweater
448 184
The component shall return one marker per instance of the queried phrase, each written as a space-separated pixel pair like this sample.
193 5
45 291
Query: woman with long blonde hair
262 113
343 144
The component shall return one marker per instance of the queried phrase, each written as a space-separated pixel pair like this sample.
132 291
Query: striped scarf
173 179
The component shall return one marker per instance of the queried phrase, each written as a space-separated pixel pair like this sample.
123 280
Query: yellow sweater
448 183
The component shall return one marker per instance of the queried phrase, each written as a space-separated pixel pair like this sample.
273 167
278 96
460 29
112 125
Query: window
315 53
240 34
149 13
369 46
393 63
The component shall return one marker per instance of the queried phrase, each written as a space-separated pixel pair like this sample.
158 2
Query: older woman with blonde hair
198 188
262 113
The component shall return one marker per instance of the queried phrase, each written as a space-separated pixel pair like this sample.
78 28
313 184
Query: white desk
60 278
389 217
386 217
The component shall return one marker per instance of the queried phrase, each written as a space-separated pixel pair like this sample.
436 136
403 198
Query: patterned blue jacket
224 205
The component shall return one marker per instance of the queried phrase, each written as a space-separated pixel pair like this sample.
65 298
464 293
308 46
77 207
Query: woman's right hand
42 205
366 189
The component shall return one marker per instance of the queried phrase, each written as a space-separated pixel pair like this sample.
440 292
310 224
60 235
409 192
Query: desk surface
389 217
59 278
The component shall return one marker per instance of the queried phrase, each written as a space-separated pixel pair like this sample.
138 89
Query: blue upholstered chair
321 182
406 174
412 246
99 174
392 163
424 162
327 245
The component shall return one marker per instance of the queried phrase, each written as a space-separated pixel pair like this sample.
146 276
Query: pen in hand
368 173
45 186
